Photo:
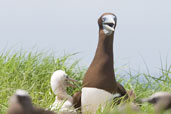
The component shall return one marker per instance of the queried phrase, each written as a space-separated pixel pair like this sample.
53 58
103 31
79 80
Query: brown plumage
20 103
77 100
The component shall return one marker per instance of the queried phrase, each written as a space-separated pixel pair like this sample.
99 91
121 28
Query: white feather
92 98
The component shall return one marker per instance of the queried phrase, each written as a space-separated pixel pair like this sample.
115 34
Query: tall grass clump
31 71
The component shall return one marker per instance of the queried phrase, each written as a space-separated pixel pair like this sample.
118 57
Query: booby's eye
103 19
66 76
154 100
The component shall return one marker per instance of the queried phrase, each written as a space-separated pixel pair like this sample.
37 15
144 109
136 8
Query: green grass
32 71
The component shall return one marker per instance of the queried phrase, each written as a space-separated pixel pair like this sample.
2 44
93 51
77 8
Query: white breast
92 98
63 107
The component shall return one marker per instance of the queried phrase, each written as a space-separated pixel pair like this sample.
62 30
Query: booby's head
107 23
21 97
59 81
155 98
161 101
20 103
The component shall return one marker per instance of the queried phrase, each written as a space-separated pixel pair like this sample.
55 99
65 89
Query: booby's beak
150 100
108 23
71 80
144 100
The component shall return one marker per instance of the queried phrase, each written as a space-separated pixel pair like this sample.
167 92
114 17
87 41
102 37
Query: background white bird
161 101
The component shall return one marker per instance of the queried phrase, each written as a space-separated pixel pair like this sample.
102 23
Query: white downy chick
63 102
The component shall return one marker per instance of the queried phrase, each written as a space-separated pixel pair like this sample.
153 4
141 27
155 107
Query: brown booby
20 103
99 83
161 101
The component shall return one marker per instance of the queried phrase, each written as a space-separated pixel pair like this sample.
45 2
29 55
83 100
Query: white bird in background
161 101
63 102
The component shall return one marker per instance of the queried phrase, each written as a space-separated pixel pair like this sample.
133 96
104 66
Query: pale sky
143 29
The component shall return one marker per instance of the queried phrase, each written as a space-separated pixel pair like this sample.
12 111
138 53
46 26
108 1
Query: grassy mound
32 71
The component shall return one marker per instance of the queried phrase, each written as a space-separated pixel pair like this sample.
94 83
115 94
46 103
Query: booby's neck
101 71
104 53
61 94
